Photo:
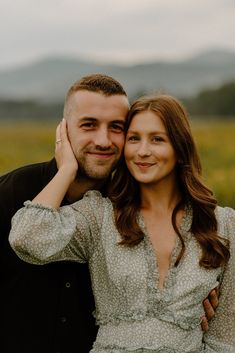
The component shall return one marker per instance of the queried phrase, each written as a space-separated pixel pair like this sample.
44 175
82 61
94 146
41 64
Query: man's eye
88 125
117 127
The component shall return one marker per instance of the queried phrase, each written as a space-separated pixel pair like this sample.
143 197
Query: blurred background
181 47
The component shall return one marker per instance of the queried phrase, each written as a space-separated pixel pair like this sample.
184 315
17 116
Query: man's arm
221 334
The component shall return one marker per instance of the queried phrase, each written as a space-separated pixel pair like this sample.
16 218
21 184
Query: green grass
27 142
216 143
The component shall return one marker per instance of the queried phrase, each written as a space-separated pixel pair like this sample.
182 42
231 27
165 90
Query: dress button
63 319
67 285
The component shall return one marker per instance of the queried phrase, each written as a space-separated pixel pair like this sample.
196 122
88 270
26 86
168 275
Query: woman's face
149 154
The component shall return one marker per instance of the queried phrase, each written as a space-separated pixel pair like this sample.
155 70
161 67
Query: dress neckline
153 277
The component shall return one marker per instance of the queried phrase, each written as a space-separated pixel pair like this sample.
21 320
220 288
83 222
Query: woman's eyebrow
150 132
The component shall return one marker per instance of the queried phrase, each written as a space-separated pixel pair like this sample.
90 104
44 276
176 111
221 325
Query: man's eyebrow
88 118
122 122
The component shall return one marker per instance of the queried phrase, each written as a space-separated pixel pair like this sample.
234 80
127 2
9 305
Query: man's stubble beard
94 172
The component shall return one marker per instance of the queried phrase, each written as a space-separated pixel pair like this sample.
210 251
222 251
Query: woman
155 247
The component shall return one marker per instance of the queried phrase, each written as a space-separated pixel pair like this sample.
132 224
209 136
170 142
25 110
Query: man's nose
102 138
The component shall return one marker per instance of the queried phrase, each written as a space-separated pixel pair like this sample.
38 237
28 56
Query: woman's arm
54 192
42 234
41 231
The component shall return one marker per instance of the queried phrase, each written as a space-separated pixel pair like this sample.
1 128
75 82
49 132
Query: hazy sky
113 30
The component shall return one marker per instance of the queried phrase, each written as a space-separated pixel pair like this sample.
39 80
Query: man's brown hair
98 83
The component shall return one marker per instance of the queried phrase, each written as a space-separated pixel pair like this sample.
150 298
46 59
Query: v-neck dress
133 314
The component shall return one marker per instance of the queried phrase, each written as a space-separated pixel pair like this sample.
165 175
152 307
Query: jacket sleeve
40 235
220 337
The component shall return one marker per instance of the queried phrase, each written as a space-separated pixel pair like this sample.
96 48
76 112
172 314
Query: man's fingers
209 304
204 324
209 311
213 298
217 291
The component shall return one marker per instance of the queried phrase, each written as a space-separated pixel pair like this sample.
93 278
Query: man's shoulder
39 170
23 184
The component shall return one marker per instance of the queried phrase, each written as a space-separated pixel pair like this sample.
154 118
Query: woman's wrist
68 172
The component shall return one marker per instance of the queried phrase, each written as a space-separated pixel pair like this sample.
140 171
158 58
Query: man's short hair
99 83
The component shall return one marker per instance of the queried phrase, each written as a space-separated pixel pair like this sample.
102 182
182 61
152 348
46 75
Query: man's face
96 131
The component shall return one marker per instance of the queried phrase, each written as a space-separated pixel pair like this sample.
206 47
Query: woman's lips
144 165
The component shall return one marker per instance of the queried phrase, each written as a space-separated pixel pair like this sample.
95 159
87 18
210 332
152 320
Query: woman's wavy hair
125 194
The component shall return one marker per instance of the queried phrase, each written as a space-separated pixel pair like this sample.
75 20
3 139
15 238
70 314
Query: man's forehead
84 96
101 120
95 105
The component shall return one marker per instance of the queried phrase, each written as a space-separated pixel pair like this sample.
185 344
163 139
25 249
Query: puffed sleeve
40 235
220 337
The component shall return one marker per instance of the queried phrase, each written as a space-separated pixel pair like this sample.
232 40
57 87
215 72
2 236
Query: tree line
218 102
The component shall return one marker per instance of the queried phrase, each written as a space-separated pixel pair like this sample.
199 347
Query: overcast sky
113 30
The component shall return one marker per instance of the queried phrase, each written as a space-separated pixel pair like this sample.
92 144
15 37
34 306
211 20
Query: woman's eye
132 138
157 139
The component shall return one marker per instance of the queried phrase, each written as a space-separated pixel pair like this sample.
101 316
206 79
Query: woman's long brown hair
125 193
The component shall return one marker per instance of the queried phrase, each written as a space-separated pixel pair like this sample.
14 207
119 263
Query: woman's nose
144 149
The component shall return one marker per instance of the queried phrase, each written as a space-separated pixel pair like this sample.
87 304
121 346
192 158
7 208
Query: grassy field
27 142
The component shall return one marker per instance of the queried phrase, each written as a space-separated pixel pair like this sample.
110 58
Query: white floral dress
133 314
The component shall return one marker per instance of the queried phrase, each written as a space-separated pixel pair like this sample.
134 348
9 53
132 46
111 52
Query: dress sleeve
220 337
40 235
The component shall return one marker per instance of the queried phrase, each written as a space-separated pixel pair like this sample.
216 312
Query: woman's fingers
63 152
63 131
57 135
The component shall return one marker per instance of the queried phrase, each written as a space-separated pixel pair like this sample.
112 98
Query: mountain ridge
48 79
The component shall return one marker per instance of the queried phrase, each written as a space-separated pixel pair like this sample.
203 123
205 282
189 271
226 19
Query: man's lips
102 155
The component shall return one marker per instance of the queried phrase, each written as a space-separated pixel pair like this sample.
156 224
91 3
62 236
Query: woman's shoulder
95 196
224 212
93 202
226 221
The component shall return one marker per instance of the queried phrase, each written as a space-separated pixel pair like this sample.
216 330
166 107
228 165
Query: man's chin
95 175
95 171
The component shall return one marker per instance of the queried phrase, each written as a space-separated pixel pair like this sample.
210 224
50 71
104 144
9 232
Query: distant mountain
216 57
47 80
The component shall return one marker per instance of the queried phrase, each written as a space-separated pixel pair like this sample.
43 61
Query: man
48 309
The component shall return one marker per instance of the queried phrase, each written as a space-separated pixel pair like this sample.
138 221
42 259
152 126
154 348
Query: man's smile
102 155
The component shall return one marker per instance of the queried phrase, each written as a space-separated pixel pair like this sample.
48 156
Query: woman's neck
159 197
